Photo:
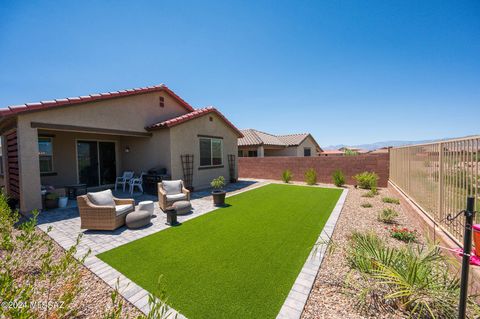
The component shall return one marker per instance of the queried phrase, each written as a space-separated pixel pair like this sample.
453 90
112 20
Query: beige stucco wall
130 113
184 140
146 153
287 151
308 142
28 164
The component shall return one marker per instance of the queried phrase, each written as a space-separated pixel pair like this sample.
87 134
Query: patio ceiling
85 129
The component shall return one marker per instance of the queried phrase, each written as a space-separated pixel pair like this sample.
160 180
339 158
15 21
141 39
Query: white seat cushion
121 209
103 198
176 197
172 187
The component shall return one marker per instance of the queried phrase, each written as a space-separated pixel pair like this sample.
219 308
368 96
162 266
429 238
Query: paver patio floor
65 222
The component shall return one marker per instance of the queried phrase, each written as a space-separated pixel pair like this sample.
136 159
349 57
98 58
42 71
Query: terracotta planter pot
219 198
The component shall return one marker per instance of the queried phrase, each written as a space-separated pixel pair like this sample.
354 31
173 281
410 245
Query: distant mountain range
374 146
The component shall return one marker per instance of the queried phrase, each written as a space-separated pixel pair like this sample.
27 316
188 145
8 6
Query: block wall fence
272 167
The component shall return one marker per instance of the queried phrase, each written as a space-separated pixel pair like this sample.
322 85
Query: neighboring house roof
190 116
254 137
293 139
29 107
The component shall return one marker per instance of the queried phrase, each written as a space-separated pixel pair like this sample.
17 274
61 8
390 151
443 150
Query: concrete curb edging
297 298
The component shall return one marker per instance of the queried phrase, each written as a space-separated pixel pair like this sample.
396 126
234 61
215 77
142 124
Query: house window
307 151
46 154
240 153
211 150
252 153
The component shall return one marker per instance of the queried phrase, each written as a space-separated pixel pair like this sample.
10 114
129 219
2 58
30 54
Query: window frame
253 152
309 151
51 156
210 139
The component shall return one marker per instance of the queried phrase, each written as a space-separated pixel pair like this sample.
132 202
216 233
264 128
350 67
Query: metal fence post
467 248
440 180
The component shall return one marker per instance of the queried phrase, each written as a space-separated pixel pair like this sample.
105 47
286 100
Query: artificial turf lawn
235 262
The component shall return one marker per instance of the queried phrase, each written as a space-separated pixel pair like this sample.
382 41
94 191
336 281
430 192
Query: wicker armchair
102 217
165 202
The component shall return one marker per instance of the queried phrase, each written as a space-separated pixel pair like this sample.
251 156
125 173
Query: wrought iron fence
438 177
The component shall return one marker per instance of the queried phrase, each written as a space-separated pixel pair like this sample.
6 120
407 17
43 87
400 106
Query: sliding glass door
96 163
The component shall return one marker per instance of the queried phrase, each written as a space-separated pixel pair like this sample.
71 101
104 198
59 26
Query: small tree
311 176
287 176
338 178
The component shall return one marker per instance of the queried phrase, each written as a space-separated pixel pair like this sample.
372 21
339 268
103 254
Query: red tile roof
28 107
190 116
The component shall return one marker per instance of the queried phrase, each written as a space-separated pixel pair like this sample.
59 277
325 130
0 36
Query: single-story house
92 139
255 143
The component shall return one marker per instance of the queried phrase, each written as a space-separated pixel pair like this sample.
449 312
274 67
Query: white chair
124 179
137 182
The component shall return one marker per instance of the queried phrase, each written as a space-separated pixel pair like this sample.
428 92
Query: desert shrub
338 178
390 200
157 302
287 176
366 205
414 279
31 271
311 176
367 180
403 234
369 194
387 216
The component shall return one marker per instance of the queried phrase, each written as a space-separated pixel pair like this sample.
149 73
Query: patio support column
29 167
260 151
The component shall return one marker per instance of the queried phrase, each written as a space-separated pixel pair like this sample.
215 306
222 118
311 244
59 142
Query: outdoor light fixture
127 149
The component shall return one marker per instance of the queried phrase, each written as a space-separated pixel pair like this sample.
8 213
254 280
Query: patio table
72 190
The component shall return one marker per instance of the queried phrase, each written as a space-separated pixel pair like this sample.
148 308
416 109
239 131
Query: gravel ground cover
332 296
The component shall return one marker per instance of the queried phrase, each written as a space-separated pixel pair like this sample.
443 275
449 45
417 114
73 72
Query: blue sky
347 71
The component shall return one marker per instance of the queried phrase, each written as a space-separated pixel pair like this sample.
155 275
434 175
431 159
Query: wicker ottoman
138 218
182 207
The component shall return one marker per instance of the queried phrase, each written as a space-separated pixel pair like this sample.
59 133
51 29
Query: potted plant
218 193
51 200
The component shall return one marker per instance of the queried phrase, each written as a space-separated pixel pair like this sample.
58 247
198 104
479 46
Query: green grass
235 262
